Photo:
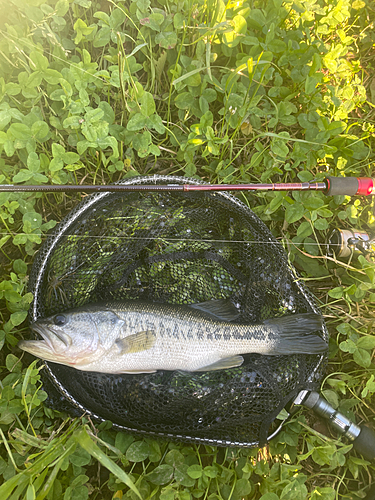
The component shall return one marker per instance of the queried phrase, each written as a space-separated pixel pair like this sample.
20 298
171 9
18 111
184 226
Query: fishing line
344 249
153 238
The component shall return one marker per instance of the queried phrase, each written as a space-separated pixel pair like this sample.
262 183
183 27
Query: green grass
231 92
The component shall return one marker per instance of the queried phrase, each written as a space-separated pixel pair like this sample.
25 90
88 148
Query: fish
143 337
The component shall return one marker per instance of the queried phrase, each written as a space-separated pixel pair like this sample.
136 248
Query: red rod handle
350 186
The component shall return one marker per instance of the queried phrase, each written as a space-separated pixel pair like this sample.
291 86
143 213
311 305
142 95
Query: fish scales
138 337
192 325
197 328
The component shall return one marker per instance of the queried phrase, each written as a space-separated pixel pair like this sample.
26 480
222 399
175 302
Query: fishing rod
349 186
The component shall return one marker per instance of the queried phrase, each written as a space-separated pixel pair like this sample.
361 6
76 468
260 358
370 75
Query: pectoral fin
223 364
138 342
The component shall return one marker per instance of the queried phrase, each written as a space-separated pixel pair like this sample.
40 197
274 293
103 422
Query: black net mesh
179 248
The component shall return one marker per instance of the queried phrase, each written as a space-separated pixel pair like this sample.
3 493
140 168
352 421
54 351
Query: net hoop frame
62 229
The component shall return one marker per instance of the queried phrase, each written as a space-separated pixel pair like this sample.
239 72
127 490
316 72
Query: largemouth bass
142 337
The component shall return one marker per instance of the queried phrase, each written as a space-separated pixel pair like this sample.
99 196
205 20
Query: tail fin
297 334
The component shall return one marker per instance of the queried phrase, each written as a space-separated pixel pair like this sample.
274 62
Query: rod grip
365 443
350 186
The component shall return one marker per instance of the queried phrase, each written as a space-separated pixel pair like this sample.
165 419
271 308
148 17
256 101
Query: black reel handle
365 443
363 437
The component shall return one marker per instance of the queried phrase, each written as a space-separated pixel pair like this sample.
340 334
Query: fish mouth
50 336
53 346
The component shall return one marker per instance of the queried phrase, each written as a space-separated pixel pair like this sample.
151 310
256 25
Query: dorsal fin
221 309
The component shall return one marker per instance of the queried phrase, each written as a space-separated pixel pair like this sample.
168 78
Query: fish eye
59 320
